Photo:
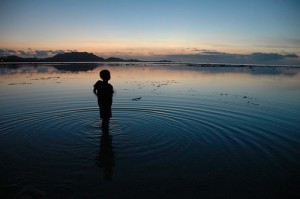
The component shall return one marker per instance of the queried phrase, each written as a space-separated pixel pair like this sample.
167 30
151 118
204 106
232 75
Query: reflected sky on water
177 129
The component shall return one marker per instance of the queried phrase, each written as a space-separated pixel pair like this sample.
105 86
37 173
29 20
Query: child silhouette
104 92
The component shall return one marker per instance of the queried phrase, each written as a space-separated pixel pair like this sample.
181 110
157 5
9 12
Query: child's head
105 75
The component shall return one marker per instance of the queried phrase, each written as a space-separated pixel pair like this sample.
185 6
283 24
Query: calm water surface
177 132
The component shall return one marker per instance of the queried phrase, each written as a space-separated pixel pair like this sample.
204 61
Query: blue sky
152 29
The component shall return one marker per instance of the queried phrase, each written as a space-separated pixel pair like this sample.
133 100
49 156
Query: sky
216 31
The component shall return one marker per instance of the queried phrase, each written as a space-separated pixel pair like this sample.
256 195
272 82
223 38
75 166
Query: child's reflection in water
106 159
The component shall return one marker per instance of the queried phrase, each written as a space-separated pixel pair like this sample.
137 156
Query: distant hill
113 59
74 57
67 57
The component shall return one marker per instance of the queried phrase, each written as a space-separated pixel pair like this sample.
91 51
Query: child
104 92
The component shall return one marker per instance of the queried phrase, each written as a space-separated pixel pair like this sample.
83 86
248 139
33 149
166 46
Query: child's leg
105 124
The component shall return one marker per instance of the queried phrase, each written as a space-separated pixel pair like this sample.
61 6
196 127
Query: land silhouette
68 57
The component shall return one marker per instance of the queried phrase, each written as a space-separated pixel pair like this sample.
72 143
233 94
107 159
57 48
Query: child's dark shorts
105 112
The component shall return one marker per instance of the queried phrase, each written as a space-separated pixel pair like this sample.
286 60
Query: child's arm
95 90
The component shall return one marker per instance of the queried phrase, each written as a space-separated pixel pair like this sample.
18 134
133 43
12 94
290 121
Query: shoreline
190 64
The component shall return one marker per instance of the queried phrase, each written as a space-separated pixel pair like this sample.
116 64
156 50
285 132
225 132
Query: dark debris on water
136 99
243 97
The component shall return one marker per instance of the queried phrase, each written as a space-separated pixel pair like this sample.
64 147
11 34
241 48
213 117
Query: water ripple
154 128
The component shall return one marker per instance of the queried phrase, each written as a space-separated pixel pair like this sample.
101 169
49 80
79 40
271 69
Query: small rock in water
136 99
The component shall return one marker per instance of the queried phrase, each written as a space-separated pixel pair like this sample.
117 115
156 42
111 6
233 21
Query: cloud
211 56
205 51
266 56
42 53
32 53
213 52
49 53
291 56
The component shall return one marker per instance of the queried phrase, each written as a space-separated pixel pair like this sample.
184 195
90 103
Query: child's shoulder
98 83
110 86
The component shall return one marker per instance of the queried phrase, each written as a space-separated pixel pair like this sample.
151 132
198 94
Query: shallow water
177 132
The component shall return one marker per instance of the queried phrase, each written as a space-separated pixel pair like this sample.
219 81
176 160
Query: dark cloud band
222 57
